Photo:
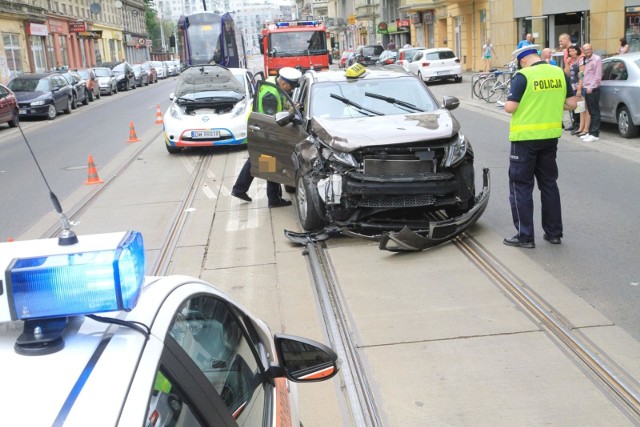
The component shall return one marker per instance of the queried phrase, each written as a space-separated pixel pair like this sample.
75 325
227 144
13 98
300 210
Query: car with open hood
209 107
370 150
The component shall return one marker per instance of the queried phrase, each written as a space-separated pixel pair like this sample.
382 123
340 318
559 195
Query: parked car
8 107
172 70
125 78
90 79
141 76
387 57
161 69
436 64
178 66
372 150
344 59
79 88
368 55
170 350
151 72
405 55
42 94
620 93
210 106
106 80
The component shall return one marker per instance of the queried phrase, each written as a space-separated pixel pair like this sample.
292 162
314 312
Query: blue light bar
282 24
86 282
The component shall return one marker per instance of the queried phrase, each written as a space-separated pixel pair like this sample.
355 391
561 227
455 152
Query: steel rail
359 395
612 378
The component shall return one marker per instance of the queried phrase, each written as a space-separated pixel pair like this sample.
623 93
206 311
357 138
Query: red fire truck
299 44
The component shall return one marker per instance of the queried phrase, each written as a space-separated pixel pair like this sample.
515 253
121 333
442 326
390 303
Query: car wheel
458 79
98 95
51 112
90 97
309 203
115 89
173 150
626 128
15 121
69 107
85 101
420 76
74 102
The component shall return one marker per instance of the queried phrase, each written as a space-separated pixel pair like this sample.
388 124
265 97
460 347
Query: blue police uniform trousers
531 160
244 180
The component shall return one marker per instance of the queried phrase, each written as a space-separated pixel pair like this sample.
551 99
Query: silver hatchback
620 93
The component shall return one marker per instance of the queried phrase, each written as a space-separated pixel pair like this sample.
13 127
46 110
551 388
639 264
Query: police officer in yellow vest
539 94
269 102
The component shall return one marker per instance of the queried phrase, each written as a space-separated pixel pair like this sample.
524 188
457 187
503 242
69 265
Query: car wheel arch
629 130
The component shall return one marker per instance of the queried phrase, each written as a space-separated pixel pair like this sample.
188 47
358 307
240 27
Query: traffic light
172 41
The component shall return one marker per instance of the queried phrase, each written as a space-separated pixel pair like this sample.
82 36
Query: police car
87 340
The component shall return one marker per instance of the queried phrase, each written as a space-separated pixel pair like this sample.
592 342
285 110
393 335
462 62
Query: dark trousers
534 160
244 180
592 101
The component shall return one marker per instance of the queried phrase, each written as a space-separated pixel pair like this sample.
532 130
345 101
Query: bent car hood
347 135
204 78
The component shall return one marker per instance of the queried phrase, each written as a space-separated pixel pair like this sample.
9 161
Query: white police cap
526 50
290 75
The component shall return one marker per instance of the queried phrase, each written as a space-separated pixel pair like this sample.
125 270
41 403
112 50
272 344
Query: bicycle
492 90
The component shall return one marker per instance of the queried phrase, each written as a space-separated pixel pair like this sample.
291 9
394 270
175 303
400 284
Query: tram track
619 386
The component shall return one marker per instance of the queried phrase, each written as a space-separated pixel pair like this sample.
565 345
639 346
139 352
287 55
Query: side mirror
171 96
284 117
450 102
304 360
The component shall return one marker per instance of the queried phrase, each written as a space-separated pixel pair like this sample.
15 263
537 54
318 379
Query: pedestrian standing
591 90
565 41
573 67
546 56
585 118
269 102
487 50
528 40
539 94
624 46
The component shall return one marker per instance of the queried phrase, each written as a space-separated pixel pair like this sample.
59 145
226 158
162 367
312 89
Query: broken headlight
175 111
339 157
456 151
239 109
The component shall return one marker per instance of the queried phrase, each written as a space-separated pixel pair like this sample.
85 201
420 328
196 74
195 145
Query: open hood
204 78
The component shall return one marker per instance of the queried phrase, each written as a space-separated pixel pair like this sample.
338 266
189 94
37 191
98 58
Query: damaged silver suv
370 150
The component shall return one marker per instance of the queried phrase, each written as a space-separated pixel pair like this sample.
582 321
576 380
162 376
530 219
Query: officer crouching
539 94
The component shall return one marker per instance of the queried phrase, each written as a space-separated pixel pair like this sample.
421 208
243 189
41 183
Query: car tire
626 128
52 112
173 150
308 203
458 79
90 97
69 107
74 102
85 101
15 121
98 95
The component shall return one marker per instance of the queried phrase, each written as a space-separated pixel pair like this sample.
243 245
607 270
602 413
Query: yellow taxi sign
355 71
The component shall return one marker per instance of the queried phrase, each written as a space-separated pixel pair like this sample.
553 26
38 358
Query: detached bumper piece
439 232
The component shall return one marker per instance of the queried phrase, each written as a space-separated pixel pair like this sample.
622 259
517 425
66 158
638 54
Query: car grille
396 201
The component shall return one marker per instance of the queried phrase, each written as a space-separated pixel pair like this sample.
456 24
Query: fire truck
298 44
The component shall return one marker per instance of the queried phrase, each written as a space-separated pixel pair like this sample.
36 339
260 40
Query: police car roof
370 74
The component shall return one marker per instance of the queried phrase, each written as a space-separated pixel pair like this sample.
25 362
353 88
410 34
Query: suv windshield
403 91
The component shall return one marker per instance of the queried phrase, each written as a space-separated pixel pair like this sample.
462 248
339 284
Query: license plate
441 73
23 111
205 134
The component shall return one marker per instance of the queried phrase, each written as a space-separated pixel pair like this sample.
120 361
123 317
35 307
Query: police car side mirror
304 360
450 102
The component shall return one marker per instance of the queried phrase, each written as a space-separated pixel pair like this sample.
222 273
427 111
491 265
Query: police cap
290 75
526 50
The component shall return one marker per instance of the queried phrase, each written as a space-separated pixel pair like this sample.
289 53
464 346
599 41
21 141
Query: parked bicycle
496 88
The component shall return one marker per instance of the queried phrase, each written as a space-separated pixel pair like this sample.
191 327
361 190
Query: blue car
42 94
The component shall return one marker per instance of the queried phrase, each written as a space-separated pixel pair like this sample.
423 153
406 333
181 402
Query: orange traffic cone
132 134
93 173
158 116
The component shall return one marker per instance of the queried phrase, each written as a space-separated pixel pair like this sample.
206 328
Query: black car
372 151
42 94
367 55
125 77
80 92
141 76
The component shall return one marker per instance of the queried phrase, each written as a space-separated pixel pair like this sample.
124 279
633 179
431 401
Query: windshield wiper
393 101
359 107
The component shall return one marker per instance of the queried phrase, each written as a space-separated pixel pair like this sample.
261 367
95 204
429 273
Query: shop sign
77 26
37 30
95 35
382 28
142 42
56 26
403 25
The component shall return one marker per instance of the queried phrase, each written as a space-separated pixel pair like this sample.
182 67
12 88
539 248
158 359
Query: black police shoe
552 240
242 196
280 203
515 241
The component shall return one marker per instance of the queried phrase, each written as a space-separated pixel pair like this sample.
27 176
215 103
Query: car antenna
67 236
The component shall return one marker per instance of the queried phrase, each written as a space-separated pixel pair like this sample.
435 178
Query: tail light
425 64
388 61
